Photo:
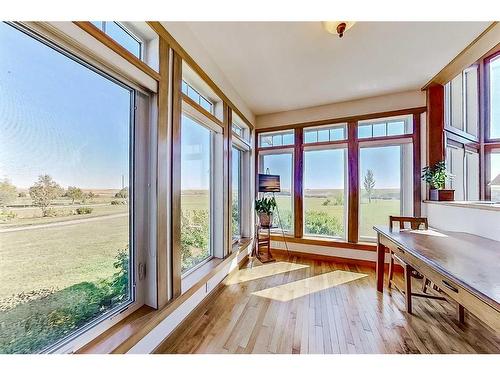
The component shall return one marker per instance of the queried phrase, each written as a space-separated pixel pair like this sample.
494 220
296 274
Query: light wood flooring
301 305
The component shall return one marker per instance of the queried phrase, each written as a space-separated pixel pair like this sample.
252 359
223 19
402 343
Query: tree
8 192
123 193
44 191
369 183
74 193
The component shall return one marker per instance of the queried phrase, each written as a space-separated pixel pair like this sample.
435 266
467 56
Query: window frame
353 144
406 187
128 32
201 119
279 150
137 250
320 146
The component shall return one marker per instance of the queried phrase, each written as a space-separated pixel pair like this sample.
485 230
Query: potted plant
265 208
436 176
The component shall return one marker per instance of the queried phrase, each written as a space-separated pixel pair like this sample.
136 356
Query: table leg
380 265
460 313
407 274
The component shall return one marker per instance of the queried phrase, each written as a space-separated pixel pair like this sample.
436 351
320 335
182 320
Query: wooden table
466 267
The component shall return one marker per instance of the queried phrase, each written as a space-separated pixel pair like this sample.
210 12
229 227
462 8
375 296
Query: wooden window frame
353 146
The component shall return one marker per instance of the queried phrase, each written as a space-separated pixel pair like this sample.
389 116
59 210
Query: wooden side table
263 239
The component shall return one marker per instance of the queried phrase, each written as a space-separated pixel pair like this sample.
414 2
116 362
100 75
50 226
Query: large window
66 194
281 164
196 193
494 95
325 192
236 193
385 186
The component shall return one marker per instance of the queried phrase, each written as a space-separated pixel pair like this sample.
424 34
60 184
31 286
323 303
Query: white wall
185 37
384 103
481 222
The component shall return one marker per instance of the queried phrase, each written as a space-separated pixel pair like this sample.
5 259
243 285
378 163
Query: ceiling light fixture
337 27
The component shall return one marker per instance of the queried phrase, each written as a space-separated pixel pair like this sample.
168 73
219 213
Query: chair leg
407 274
391 270
425 284
460 313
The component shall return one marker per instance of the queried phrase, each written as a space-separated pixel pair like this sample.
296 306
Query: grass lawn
58 257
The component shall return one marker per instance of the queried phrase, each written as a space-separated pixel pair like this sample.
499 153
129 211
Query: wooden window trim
118 48
163 33
353 145
202 110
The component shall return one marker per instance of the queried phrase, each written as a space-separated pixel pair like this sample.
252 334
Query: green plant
123 193
43 192
8 192
369 183
323 224
84 210
116 203
436 175
265 205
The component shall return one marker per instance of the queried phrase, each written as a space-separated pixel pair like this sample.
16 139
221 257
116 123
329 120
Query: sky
324 169
59 118
195 155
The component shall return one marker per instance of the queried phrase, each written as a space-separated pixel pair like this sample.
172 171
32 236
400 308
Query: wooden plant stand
263 239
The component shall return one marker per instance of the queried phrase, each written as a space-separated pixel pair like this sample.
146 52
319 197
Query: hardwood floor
310 306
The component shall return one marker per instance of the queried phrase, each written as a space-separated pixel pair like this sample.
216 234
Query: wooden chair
414 223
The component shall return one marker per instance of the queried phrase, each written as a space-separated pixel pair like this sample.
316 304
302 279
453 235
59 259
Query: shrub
84 210
22 194
323 224
326 202
195 237
123 193
35 323
117 203
7 215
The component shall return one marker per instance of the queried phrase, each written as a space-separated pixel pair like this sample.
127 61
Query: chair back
413 222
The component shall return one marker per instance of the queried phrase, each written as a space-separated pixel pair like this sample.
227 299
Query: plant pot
441 195
265 220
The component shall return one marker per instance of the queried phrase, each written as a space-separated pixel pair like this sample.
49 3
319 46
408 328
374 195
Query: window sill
366 246
192 278
481 205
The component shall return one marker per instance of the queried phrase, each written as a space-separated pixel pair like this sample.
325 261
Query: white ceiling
279 66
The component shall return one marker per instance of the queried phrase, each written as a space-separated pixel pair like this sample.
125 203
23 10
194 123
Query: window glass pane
122 37
288 139
380 187
266 140
337 134
195 193
311 136
495 177
323 135
237 130
281 164
379 130
277 140
184 87
495 97
396 128
324 207
193 94
206 104
365 131
98 24
236 186
64 217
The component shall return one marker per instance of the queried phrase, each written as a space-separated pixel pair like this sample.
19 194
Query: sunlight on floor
265 270
300 288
